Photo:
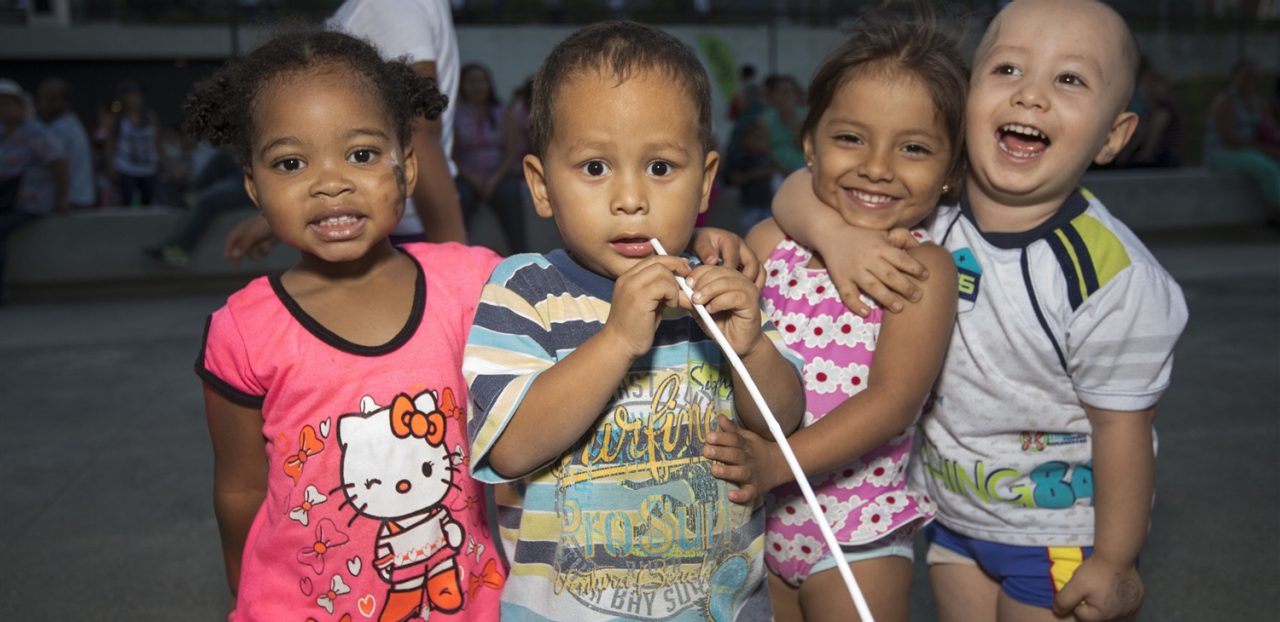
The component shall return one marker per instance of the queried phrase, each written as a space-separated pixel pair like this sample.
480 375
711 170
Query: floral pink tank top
867 499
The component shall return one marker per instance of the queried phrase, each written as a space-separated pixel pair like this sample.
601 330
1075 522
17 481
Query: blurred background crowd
83 134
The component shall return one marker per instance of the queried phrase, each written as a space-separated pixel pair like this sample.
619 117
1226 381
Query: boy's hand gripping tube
864 612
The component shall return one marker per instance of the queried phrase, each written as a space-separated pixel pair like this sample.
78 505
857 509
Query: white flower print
835 510
853 378
794 512
807 548
822 376
774 269
881 471
769 309
893 502
790 326
851 475
818 287
819 331
874 519
776 544
849 330
792 285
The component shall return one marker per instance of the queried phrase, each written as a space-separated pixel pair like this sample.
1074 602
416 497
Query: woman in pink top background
486 148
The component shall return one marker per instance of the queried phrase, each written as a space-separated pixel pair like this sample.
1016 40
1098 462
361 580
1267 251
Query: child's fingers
879 292
902 238
904 262
851 296
1068 598
900 283
720 289
732 440
725 454
745 494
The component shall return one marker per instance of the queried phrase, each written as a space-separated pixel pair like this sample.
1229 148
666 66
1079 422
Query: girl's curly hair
220 108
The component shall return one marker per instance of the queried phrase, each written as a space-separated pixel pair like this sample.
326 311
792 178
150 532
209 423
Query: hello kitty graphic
397 469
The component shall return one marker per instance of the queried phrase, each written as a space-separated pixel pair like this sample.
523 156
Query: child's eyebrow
366 131
1093 63
598 145
282 141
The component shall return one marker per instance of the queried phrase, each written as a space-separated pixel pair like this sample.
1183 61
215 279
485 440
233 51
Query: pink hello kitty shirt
370 513
868 498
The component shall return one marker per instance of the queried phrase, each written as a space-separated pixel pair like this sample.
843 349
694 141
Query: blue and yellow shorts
1031 575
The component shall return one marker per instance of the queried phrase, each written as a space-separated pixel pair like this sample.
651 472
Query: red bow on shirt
407 420
309 444
489 577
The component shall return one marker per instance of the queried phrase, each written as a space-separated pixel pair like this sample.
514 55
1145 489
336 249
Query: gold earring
946 188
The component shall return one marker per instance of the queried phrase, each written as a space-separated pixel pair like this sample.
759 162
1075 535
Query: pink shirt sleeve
224 361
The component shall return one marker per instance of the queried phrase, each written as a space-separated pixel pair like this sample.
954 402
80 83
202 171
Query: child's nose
876 166
330 180
629 196
1029 95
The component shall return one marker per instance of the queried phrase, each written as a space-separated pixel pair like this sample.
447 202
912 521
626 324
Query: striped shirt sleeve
506 351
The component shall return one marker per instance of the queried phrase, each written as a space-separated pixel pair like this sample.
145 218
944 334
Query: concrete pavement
105 510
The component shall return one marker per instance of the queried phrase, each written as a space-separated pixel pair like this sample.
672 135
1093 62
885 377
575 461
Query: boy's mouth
1022 141
632 245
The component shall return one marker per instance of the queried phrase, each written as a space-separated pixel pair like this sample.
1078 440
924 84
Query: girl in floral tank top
882 145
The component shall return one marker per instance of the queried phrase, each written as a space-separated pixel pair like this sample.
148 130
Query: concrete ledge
99 252
1168 199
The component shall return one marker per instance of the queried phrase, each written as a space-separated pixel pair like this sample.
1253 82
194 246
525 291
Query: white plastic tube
864 612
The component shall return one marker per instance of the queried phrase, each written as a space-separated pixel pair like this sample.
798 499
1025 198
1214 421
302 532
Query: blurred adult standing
54 104
25 146
1233 132
485 148
133 146
782 117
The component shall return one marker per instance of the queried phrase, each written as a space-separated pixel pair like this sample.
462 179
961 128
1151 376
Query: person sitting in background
484 151
1233 133
219 186
133 146
25 146
53 103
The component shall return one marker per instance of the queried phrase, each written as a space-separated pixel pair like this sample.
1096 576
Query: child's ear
250 187
710 165
1121 131
807 143
536 177
410 171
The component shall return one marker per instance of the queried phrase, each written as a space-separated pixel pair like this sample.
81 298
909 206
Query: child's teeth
1024 130
338 220
871 198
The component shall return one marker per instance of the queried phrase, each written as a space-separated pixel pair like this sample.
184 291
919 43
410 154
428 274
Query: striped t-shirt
629 522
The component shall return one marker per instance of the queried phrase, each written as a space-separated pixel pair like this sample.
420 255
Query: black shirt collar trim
333 339
1073 206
